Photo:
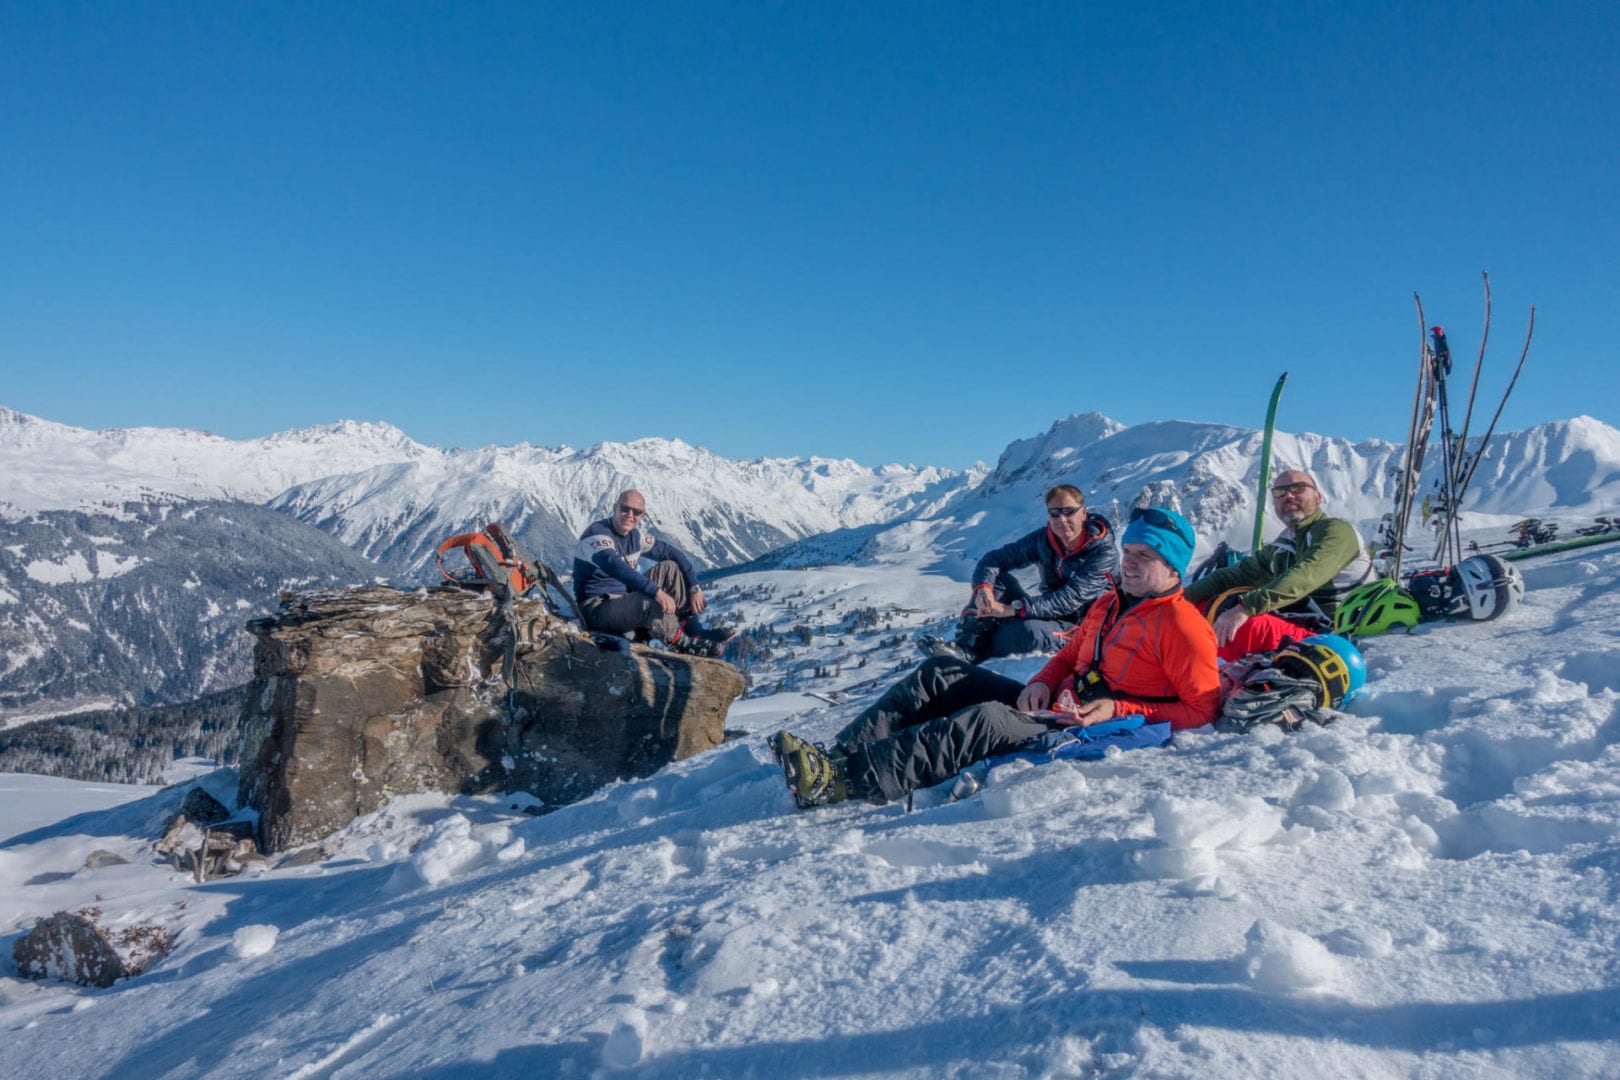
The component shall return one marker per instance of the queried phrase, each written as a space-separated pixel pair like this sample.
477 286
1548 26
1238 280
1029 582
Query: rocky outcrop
362 695
199 838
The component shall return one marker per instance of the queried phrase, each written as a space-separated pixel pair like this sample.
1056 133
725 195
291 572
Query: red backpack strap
468 541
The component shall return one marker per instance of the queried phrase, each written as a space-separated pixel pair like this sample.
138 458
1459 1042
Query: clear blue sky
887 231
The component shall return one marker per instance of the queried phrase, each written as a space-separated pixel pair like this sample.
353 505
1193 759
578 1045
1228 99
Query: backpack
1254 691
1219 559
499 564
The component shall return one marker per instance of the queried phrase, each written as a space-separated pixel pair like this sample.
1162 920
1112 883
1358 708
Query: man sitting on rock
1141 650
1078 563
614 597
1292 586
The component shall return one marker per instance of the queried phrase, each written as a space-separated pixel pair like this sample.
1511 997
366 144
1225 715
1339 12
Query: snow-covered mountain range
51 466
1567 469
64 491
394 499
720 510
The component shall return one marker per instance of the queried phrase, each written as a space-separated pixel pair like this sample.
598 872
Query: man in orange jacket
1142 649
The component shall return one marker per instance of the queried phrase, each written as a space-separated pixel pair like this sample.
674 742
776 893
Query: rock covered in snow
68 947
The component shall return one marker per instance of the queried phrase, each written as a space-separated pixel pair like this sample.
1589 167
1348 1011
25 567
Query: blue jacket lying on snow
1085 743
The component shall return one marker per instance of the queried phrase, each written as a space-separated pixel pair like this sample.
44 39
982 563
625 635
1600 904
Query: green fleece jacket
1311 566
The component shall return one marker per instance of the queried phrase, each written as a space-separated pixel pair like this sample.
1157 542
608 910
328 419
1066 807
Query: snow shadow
1112 1016
1411 712
139 817
1575 613
1485 762
1493 828
1599 670
1044 883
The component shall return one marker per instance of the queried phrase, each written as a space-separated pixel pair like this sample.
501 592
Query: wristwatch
1018 608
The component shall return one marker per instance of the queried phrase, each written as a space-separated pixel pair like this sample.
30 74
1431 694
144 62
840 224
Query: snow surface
1426 887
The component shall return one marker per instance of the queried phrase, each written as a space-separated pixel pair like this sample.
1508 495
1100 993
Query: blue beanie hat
1166 532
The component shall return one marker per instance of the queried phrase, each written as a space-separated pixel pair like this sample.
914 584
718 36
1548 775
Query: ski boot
932 645
815 777
696 641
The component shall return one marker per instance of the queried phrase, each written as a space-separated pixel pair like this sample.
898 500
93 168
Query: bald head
628 509
1294 496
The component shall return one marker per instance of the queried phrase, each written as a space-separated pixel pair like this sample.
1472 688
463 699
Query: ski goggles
1161 520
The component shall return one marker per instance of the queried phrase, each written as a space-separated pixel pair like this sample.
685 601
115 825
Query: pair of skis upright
1458 465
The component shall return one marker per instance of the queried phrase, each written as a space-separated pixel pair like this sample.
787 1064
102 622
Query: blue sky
887 231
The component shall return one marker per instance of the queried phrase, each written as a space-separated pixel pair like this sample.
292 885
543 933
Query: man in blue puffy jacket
1078 562
615 597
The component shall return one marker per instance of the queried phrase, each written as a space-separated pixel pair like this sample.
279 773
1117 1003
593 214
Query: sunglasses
1064 511
1161 520
633 511
1290 489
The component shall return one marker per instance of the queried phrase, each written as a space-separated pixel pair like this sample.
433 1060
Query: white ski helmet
1492 585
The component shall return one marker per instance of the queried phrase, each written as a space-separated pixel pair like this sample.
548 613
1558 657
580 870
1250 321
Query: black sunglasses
1161 520
1064 511
634 511
1290 489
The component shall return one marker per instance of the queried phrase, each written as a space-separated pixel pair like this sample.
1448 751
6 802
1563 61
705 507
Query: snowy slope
1427 887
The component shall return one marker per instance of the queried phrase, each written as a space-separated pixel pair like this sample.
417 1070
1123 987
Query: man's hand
1036 696
665 601
1228 622
988 607
695 601
1092 712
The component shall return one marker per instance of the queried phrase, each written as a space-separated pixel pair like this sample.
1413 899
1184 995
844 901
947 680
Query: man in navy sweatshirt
1078 562
615 597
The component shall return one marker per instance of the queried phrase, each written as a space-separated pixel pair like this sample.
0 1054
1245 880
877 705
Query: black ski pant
931 725
987 638
629 612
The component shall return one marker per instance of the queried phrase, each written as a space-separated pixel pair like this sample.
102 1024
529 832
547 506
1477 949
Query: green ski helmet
1375 608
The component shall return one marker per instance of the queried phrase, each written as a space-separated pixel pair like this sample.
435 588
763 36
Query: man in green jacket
1290 587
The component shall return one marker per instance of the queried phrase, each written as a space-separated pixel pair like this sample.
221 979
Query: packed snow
1425 887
